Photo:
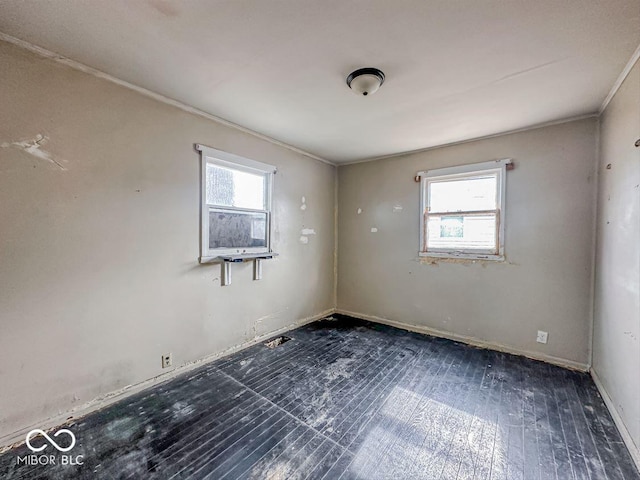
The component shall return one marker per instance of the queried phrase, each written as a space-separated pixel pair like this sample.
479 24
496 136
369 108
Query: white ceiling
456 69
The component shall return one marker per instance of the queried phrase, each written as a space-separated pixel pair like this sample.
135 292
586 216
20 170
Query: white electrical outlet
167 360
542 336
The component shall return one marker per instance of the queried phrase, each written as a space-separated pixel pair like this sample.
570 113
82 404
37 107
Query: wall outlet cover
167 360
542 336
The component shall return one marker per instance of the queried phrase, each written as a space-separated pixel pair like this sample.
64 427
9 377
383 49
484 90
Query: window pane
463 195
234 188
230 229
461 232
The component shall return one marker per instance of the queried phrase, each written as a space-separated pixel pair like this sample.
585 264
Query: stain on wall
545 284
99 272
616 333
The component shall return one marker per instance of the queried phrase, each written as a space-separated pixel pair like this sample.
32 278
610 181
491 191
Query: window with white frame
235 205
463 211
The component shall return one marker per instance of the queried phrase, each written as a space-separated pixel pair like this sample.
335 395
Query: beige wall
99 244
545 284
98 262
616 336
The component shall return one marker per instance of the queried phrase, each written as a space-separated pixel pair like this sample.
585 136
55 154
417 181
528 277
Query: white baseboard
617 419
562 362
18 437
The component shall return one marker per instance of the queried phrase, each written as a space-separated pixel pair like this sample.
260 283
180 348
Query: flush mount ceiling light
365 81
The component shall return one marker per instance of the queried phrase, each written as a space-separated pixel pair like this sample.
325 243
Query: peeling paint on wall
374 229
304 239
397 208
304 204
103 377
33 147
359 211
616 323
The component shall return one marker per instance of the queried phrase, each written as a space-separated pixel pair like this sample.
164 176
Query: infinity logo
37 431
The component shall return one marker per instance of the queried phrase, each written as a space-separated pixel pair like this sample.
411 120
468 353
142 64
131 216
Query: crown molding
43 52
195 111
621 78
474 139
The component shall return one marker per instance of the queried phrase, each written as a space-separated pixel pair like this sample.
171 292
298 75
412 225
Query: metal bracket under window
257 258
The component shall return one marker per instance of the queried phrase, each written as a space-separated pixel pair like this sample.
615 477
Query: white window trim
426 176
218 157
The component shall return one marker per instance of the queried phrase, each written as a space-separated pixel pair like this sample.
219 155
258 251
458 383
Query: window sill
238 257
461 256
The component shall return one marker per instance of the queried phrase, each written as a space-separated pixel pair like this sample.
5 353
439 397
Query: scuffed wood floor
347 399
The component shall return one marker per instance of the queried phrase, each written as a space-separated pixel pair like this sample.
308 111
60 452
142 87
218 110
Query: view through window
461 211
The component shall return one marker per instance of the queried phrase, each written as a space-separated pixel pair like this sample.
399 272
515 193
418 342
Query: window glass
233 229
462 211
462 232
235 208
463 195
228 187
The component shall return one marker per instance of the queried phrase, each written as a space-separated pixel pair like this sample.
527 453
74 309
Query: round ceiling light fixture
365 81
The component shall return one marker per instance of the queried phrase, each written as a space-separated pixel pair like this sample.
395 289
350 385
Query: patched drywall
34 148
99 219
545 282
616 334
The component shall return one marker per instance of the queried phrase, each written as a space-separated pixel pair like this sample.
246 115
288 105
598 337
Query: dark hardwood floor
348 399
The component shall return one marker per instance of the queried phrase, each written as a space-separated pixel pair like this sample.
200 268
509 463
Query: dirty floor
352 400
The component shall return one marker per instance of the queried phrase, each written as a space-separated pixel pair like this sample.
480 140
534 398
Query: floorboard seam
409 406
286 412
